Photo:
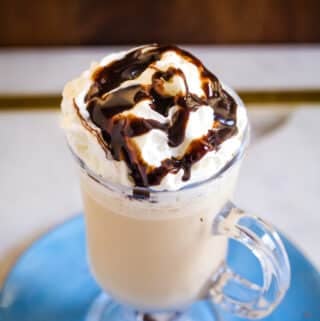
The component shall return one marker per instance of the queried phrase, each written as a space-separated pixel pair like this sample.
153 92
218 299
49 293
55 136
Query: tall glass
159 252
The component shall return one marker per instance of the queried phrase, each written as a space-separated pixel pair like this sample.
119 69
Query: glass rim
148 190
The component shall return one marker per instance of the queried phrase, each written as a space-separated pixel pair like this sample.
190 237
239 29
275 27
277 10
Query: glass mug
157 252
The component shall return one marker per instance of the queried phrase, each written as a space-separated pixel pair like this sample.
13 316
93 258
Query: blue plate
51 281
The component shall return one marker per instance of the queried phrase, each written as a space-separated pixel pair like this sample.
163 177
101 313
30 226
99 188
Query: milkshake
158 139
159 254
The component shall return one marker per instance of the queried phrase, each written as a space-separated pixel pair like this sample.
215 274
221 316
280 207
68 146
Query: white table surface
45 71
280 180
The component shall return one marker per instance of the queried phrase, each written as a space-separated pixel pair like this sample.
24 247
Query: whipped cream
152 116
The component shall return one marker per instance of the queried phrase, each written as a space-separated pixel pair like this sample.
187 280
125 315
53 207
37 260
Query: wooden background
93 22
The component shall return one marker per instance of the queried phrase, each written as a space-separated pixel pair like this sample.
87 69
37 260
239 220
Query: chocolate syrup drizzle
105 110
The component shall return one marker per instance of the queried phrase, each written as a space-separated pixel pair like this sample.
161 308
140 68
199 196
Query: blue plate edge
32 245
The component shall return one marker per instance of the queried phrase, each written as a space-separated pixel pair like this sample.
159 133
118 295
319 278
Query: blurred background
268 50
94 22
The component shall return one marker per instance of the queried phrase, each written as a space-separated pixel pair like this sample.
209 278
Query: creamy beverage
155 256
150 128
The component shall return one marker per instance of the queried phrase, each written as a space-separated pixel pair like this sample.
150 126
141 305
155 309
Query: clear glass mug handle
263 241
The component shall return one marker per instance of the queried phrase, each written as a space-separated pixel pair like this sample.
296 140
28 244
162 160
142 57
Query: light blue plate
51 281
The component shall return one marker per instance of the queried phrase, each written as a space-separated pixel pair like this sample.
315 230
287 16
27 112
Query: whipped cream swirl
152 117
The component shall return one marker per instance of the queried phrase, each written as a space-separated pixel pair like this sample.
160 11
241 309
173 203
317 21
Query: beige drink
155 255
159 140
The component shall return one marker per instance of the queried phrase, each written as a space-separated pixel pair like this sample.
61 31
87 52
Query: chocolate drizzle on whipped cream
106 100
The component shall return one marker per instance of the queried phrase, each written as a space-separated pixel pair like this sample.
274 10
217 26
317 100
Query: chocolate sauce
176 132
140 193
131 66
148 317
106 103
161 104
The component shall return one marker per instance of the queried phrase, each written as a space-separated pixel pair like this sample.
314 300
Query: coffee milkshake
147 125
